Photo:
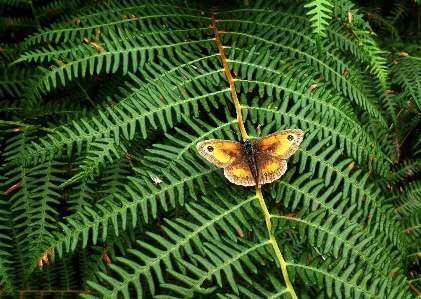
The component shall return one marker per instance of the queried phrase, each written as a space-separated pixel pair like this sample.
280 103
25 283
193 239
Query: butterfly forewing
222 153
282 144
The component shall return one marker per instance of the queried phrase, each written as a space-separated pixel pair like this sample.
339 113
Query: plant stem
275 246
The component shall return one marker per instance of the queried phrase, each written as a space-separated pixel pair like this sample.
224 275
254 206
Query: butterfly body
252 163
250 149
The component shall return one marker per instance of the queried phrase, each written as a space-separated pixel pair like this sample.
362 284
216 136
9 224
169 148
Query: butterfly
253 162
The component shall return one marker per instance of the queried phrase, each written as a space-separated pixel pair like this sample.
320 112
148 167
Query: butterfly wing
222 153
239 172
282 144
271 152
230 156
270 168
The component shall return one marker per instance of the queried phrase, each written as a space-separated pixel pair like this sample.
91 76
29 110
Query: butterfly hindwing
270 168
239 172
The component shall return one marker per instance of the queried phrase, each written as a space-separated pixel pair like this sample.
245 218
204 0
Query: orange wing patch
275 144
222 153
270 167
281 144
240 171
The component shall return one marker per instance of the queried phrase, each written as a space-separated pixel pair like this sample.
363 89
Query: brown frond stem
229 78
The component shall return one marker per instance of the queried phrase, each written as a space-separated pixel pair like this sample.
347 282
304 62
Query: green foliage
103 104
321 10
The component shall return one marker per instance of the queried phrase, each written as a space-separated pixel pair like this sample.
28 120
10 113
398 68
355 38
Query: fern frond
17 24
406 169
102 111
303 193
335 122
7 275
143 194
277 73
411 222
320 9
97 152
14 82
349 280
183 236
405 200
377 62
107 252
408 72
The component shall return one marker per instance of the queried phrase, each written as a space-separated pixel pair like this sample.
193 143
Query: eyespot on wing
222 153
